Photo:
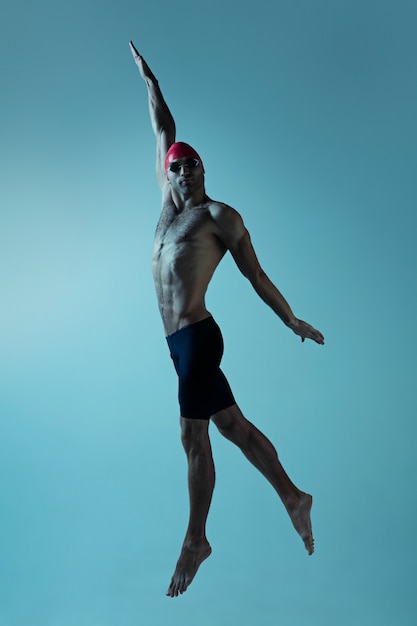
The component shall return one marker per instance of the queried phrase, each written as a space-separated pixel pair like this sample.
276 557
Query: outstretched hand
305 331
143 67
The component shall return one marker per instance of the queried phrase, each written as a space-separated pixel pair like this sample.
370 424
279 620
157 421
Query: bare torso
186 252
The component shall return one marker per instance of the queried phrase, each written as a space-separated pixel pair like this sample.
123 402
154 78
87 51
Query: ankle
292 500
195 539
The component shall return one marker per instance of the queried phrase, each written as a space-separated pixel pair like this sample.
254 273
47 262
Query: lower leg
262 454
201 478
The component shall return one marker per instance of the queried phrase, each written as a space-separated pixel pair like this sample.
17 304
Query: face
186 174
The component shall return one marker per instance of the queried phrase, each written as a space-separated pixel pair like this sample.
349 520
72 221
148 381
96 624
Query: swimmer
193 234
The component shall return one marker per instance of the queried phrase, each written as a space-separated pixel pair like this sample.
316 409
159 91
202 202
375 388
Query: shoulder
228 222
224 214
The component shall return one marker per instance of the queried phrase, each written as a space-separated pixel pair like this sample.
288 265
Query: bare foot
300 517
191 557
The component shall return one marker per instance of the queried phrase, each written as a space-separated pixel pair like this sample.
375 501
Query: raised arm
235 236
163 124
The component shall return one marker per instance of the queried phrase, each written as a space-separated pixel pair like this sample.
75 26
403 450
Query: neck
188 200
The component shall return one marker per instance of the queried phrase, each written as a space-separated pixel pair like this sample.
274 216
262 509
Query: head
184 170
181 150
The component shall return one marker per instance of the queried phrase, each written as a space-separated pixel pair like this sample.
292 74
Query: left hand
143 67
305 331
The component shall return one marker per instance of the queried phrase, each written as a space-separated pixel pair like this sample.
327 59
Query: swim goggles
190 164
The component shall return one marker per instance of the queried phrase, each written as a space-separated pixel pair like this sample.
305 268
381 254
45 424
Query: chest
176 227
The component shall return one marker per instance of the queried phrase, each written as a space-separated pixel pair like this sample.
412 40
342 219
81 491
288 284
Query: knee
232 424
186 436
194 434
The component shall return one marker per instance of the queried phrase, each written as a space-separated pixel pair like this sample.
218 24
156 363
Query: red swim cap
180 150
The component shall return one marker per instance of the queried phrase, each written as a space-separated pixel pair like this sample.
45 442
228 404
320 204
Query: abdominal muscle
182 272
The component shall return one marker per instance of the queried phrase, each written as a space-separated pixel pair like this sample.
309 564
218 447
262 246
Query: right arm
163 124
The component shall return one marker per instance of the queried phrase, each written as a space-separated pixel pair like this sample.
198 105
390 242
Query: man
192 236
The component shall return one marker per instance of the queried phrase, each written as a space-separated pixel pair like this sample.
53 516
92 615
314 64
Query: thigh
198 369
221 396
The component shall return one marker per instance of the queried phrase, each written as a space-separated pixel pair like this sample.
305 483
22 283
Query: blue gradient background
305 114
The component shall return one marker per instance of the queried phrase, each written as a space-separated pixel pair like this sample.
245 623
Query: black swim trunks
197 350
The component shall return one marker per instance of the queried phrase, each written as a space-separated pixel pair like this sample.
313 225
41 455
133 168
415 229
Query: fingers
319 338
133 50
315 335
305 331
